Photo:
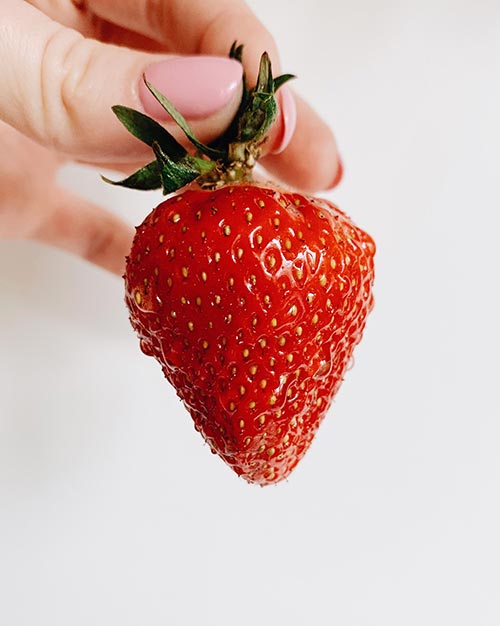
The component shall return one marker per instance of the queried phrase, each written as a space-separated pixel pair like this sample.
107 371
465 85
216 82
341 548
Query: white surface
111 509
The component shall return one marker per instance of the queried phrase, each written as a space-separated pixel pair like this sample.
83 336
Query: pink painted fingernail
288 113
198 86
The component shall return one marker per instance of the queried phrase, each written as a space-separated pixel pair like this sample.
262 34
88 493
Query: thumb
59 87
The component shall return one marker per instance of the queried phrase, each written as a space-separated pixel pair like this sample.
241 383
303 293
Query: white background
113 512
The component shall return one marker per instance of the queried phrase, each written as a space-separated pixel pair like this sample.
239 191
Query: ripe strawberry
250 296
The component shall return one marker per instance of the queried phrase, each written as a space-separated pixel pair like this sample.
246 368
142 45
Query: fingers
84 229
58 88
180 25
311 160
81 18
67 13
195 27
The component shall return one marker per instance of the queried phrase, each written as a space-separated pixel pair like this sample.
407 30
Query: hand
65 63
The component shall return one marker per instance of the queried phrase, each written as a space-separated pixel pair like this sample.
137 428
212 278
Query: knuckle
64 64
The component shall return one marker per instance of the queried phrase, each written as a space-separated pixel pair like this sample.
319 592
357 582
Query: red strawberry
251 297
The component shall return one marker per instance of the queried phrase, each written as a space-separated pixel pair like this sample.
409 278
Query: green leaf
230 135
202 166
147 178
174 174
265 76
181 122
236 51
258 117
148 131
281 80
258 110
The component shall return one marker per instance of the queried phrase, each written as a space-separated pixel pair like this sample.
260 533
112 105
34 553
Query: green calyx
229 158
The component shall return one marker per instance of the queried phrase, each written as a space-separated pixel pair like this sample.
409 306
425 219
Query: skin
57 55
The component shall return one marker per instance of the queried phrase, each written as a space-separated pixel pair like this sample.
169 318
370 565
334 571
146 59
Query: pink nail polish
288 113
198 86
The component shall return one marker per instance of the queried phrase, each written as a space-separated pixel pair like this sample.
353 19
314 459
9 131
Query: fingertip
287 120
339 175
310 162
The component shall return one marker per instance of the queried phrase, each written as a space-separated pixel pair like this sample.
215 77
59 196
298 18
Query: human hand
66 62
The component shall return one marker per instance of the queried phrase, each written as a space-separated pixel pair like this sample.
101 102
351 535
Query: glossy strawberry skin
252 299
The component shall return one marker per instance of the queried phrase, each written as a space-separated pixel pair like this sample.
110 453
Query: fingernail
338 175
288 114
198 86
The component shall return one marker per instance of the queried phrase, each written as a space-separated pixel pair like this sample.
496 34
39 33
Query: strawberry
251 297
